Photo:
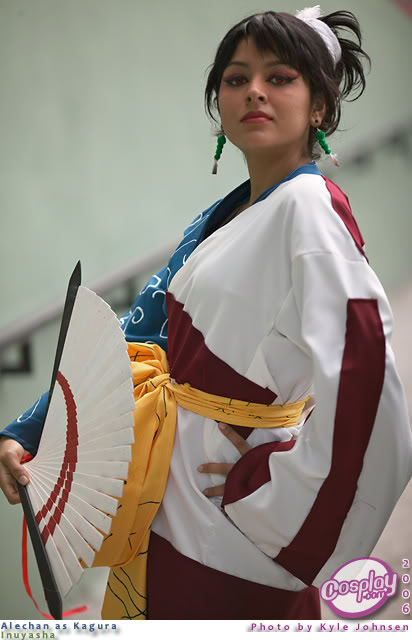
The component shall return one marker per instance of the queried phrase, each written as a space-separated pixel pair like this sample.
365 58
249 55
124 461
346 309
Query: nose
255 91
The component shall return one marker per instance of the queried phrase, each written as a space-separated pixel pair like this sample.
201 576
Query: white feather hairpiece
310 15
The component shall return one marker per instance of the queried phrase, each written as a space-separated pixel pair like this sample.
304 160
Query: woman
271 294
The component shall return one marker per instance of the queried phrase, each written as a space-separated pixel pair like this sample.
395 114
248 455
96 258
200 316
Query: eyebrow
245 64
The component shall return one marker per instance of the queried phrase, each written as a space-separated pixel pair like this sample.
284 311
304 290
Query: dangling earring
321 138
220 142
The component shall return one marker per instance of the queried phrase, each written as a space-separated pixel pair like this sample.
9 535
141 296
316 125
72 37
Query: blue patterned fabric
147 320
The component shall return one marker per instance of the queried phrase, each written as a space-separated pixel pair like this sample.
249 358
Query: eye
280 80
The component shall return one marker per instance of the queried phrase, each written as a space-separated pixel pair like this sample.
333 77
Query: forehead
246 50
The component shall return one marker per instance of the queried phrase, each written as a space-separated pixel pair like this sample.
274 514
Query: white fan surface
84 450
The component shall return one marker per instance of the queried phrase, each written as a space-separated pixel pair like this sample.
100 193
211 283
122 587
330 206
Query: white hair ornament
310 15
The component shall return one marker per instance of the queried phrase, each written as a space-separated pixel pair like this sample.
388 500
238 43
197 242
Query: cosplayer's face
276 89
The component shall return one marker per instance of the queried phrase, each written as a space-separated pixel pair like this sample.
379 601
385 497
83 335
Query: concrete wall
106 151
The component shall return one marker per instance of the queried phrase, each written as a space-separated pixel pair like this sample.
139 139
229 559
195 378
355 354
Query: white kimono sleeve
324 499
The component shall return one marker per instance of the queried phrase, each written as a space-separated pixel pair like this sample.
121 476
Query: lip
257 116
256 120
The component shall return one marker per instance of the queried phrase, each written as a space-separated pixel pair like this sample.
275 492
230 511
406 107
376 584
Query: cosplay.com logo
359 587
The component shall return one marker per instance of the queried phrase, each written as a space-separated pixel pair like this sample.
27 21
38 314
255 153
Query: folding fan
83 455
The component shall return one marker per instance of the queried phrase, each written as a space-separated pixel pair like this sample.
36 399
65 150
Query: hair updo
295 43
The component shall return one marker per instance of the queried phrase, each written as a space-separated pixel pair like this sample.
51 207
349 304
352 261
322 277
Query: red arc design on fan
68 465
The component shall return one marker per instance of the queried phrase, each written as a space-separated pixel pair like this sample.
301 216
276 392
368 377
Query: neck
265 171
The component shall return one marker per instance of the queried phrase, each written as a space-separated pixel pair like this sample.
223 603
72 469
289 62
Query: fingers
223 467
11 471
9 486
215 467
240 443
214 491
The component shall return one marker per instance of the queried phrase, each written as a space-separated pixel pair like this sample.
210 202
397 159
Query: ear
318 109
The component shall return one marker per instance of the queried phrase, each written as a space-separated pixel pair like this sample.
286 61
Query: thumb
12 453
17 469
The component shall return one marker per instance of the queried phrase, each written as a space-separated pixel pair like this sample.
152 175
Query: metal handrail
371 140
19 332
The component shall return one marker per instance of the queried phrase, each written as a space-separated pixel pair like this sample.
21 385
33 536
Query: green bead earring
221 141
321 138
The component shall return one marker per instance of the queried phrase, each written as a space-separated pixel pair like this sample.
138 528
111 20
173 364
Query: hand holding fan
84 451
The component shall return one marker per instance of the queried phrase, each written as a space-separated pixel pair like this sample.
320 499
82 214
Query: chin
264 146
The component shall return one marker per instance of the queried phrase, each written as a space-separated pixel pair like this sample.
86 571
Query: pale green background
106 151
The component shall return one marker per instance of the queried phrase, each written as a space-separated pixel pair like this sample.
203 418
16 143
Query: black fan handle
51 591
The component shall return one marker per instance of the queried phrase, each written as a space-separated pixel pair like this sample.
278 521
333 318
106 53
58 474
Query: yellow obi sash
125 548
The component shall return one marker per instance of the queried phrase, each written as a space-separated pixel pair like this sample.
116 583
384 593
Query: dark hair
297 44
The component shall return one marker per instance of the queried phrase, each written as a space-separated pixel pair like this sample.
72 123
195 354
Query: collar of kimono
155 422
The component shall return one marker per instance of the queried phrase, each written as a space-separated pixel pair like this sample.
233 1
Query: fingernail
200 467
206 492
222 426
23 480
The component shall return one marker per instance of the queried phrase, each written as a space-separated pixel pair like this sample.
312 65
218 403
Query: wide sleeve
27 428
324 499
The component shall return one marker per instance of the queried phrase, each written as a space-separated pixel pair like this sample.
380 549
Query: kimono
277 304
